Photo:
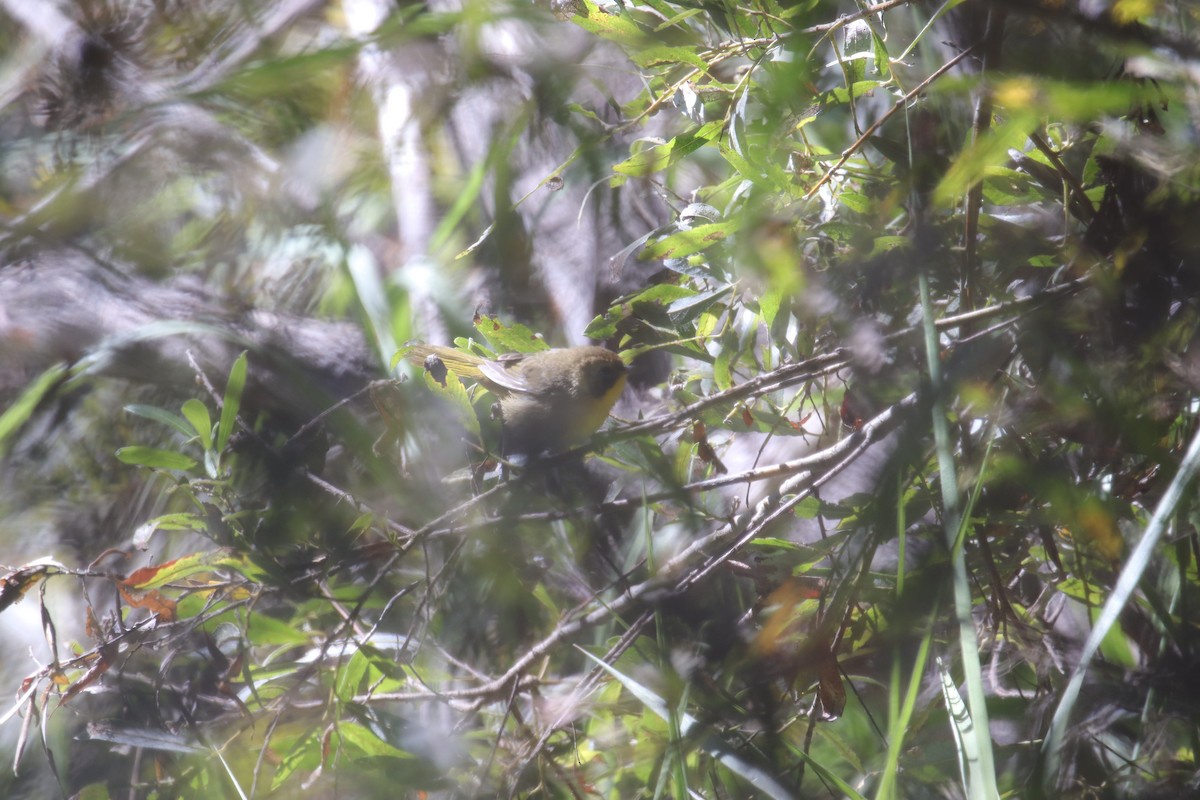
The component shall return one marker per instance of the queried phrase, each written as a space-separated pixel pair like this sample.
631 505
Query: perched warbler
549 400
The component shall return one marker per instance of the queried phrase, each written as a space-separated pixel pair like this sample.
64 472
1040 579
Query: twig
768 510
846 19
877 124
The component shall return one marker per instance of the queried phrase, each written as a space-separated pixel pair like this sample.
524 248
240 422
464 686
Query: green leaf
233 401
20 411
649 305
197 414
94 791
963 730
842 95
1073 100
685 243
885 244
768 305
367 743
686 309
457 394
350 676
305 754
155 458
722 371
741 164
990 151
161 415
659 157
661 54
510 338
619 28
194 564
690 727
167 522
262 629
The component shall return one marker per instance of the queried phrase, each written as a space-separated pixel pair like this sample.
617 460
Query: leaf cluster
912 514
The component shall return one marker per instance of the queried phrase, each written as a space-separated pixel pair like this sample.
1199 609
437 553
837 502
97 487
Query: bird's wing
502 374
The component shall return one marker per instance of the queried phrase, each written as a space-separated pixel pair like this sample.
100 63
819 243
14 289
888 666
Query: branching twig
675 574
877 124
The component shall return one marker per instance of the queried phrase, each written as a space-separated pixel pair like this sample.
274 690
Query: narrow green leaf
197 414
990 151
689 726
722 372
304 755
964 735
954 523
350 676
194 564
659 157
167 522
161 415
145 738
155 458
233 401
1131 574
663 54
20 411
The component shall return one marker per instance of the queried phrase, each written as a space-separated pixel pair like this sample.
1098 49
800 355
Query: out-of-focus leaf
366 743
685 243
155 458
690 726
454 390
195 564
233 401
990 151
768 305
654 56
659 157
163 416
152 600
616 27
262 629
350 676
16 415
15 584
144 738
166 522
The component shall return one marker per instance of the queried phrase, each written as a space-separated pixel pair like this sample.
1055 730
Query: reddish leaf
14 586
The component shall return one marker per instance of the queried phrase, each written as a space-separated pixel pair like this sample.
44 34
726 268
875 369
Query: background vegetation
900 501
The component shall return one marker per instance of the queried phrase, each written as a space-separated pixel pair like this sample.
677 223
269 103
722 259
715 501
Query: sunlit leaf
685 243
659 157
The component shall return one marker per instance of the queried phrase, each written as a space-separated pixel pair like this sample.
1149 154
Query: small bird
549 400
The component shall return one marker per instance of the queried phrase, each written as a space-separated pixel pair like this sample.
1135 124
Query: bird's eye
607 377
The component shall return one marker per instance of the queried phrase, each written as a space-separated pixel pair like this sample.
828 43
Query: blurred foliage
930 296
